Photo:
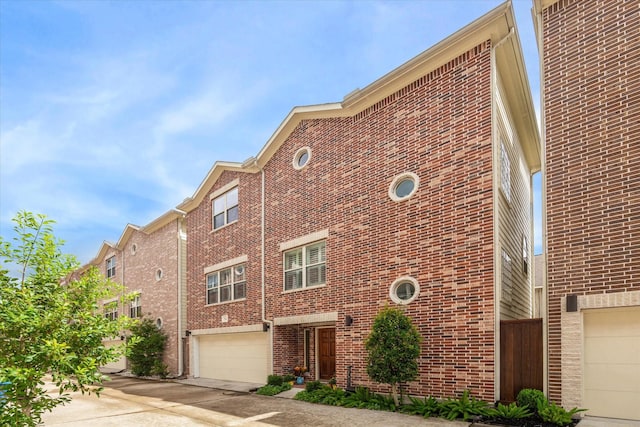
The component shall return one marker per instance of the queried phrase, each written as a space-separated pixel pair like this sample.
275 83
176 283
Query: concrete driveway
135 402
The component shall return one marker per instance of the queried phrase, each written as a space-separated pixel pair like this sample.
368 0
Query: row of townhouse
416 192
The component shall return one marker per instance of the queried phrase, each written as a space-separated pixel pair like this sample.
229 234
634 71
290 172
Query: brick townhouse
149 262
590 54
413 192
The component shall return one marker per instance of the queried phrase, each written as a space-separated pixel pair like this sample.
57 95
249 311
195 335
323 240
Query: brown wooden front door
327 353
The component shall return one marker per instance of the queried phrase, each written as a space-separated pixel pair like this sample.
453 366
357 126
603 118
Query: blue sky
112 112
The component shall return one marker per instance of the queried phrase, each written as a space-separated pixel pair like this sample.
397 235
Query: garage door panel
612 350
614 404
612 362
116 365
234 357
604 377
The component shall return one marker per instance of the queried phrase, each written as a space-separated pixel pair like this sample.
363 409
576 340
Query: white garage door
116 365
235 357
612 362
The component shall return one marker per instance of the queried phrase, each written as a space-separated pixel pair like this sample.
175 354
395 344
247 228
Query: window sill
225 302
223 227
289 291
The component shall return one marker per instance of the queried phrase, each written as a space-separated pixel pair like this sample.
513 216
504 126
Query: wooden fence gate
521 357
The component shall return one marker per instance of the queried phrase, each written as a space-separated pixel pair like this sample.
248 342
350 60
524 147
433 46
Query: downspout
263 268
180 226
496 221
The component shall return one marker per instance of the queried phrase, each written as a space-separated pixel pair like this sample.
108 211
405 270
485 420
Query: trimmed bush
530 399
276 380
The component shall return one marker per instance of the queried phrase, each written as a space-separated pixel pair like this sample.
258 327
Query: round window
301 158
159 323
403 186
404 290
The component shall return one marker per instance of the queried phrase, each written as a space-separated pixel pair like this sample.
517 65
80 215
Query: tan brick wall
591 65
159 298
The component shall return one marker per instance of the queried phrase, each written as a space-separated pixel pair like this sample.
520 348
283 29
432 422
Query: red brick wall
440 129
592 109
206 248
159 298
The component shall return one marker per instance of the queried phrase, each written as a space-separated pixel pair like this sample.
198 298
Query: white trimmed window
111 310
507 279
135 310
225 209
505 171
301 158
111 267
404 290
525 255
305 267
403 186
226 285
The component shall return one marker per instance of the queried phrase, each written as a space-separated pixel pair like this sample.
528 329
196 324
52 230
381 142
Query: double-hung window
111 310
227 285
305 267
505 171
136 307
111 267
225 208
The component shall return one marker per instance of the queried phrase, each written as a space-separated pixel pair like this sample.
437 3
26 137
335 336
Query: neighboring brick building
590 52
149 262
415 192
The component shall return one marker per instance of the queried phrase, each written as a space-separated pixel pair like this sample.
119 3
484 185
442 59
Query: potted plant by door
299 371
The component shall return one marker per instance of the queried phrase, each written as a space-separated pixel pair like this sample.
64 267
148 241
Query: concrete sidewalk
237 386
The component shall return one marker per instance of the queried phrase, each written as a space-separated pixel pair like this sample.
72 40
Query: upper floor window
227 285
507 279
301 158
305 266
505 171
111 310
403 186
136 307
111 267
225 208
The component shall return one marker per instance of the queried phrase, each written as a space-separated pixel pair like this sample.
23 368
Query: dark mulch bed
527 422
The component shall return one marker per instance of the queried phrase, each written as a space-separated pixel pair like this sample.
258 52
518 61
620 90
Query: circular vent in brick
301 158
403 186
134 249
158 274
404 290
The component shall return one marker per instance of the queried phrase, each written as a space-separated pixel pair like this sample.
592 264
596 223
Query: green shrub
276 380
382 403
146 348
313 386
465 408
360 398
554 414
325 395
288 378
529 398
509 412
425 407
393 347
271 390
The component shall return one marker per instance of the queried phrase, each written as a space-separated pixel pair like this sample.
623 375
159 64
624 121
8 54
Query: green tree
48 325
393 347
146 349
